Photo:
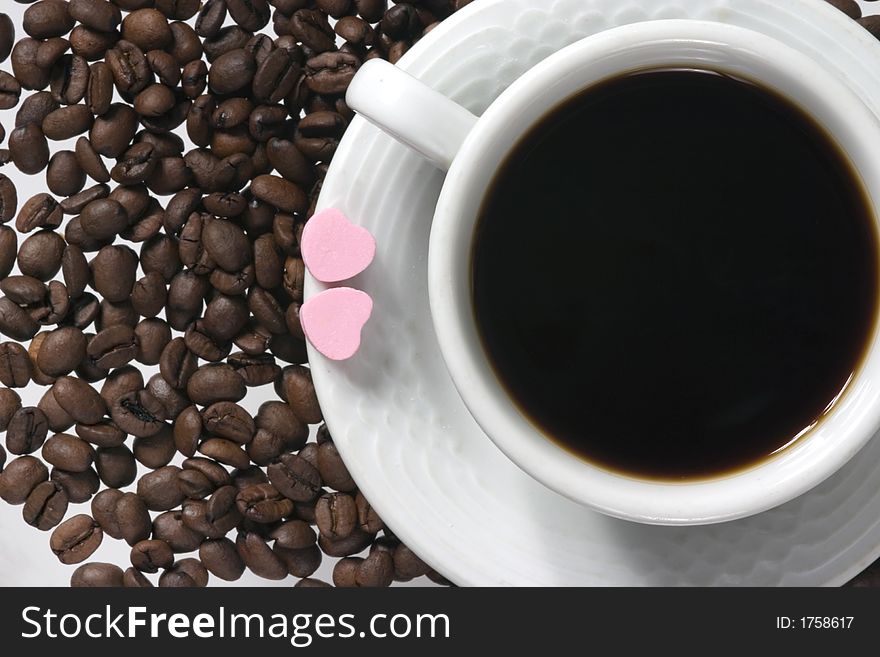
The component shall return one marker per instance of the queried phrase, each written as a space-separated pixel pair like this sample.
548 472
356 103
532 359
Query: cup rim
656 44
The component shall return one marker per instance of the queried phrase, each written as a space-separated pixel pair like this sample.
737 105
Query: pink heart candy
334 249
333 319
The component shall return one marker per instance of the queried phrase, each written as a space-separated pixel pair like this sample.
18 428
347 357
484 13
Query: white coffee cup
472 148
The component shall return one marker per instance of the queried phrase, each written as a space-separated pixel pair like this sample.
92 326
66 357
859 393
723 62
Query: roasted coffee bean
177 363
103 218
102 434
220 556
98 14
29 149
407 565
259 557
231 71
263 503
121 381
229 420
26 431
249 476
69 453
294 278
20 477
57 418
295 478
64 176
336 515
280 193
202 345
160 254
76 539
61 351
79 399
345 572
91 44
23 290
8 247
79 486
312 28
194 78
194 484
150 556
15 365
114 269
169 527
176 579
354 543
849 7
46 506
279 419
139 413
135 579
7 36
40 211
225 451
155 451
116 466
294 535
113 347
215 382
69 79
40 256
255 370
91 163
98 575
296 388
103 508
10 402
152 334
112 132
188 431
67 122
333 471
331 72
8 201
160 490
172 400
368 520
35 108
10 91
195 517
192 569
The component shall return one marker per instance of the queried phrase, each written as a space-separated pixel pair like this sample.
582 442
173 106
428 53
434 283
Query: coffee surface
675 274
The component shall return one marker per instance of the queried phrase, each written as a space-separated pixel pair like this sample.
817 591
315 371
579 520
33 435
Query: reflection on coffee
675 274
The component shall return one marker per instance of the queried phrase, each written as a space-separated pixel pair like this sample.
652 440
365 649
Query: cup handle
410 111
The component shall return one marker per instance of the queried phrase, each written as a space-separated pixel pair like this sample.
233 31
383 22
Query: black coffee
675 274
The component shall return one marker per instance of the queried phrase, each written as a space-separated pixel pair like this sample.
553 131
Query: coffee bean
200 343
102 434
15 365
67 122
76 539
7 36
232 71
57 418
116 466
352 544
29 149
46 506
40 211
220 556
311 582
149 556
113 347
121 381
69 453
336 515
114 270
225 451
229 420
112 132
191 568
331 72
263 503
160 490
176 579
333 470
155 451
224 317
188 431
62 351
169 527
294 535
26 431
152 334
96 575
255 370
40 256
25 67
79 486
345 572
135 579
91 162
8 247
10 402
79 399
24 290
194 484
213 383
259 557
20 477
295 478
138 413
69 79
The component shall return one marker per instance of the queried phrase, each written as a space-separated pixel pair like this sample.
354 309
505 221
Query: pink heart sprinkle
333 319
334 249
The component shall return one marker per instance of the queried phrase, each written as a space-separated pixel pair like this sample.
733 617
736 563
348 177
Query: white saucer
420 458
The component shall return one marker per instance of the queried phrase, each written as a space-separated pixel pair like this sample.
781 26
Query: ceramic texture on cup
428 468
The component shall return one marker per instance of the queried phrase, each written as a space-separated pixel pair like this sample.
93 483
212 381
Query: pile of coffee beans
158 280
